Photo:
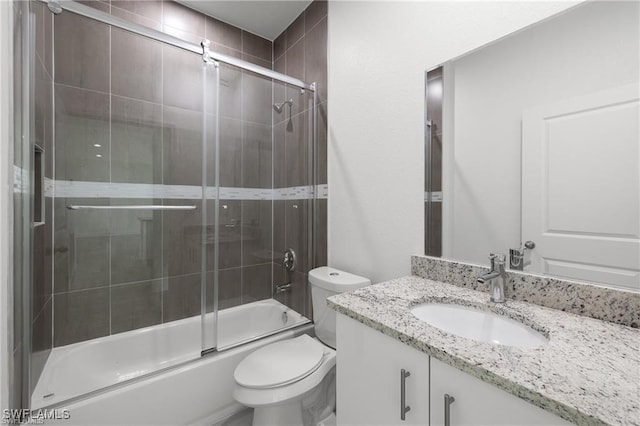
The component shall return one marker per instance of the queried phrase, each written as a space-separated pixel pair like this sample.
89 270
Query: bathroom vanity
586 373
369 386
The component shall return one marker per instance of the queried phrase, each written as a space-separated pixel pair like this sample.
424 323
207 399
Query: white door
581 187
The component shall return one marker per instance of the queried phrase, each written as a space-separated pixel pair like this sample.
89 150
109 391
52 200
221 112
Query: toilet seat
280 364
294 390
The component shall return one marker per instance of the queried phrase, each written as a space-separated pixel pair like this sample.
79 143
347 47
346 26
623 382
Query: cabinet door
478 403
369 367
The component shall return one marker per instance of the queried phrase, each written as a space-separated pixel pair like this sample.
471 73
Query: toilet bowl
292 382
276 379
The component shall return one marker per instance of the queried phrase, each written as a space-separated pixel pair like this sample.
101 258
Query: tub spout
283 288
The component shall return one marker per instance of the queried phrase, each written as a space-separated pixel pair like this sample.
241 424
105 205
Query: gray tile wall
119 271
140 105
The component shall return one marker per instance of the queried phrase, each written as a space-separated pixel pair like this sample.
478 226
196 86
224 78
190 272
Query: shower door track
98 15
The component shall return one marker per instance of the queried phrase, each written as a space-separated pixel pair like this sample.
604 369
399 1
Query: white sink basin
476 324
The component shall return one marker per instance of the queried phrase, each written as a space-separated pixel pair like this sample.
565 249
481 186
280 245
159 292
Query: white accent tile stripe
293 193
19 185
322 191
436 196
227 193
81 189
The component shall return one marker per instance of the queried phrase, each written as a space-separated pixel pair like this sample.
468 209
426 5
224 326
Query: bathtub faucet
281 288
497 277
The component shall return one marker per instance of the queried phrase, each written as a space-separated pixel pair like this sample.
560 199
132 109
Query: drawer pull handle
448 400
403 407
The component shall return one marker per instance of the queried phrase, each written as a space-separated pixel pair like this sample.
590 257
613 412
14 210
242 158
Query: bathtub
119 380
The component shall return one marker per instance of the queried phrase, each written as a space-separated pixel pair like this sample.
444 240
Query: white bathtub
199 392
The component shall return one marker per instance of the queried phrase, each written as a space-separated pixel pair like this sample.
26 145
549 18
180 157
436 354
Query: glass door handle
131 207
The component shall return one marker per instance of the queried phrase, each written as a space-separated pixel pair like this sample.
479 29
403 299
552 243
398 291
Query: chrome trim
203 236
289 260
314 211
216 216
448 400
130 207
283 288
54 7
427 169
230 60
404 408
106 18
27 53
304 325
496 277
205 57
209 351
516 256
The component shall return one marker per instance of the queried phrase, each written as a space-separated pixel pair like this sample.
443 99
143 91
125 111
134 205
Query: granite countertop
588 373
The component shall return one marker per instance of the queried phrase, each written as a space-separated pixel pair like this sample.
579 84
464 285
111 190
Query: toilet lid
280 363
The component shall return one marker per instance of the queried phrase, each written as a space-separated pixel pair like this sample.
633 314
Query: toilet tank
326 282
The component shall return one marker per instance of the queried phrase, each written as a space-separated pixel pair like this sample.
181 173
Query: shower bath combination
155 247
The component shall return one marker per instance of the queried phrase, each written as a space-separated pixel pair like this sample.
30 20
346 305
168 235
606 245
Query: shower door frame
208 57
98 15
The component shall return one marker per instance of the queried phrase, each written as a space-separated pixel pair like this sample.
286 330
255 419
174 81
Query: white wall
378 53
6 324
590 48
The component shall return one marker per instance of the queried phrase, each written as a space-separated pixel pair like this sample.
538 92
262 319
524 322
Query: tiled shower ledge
588 372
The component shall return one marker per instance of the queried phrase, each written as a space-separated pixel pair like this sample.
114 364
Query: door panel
369 385
581 187
480 403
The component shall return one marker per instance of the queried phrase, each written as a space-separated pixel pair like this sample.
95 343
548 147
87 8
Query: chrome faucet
497 277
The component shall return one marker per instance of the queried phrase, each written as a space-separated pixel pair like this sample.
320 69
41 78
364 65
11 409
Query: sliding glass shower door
210 206
130 189
263 207
178 200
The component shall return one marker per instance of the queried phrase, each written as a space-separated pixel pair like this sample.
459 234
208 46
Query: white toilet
292 382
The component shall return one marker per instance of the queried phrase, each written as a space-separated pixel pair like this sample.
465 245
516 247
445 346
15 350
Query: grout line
129 98
44 305
145 18
316 24
82 88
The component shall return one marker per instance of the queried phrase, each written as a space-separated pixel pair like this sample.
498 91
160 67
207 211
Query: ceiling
266 18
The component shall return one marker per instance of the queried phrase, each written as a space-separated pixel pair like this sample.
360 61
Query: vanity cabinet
369 387
479 403
369 367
